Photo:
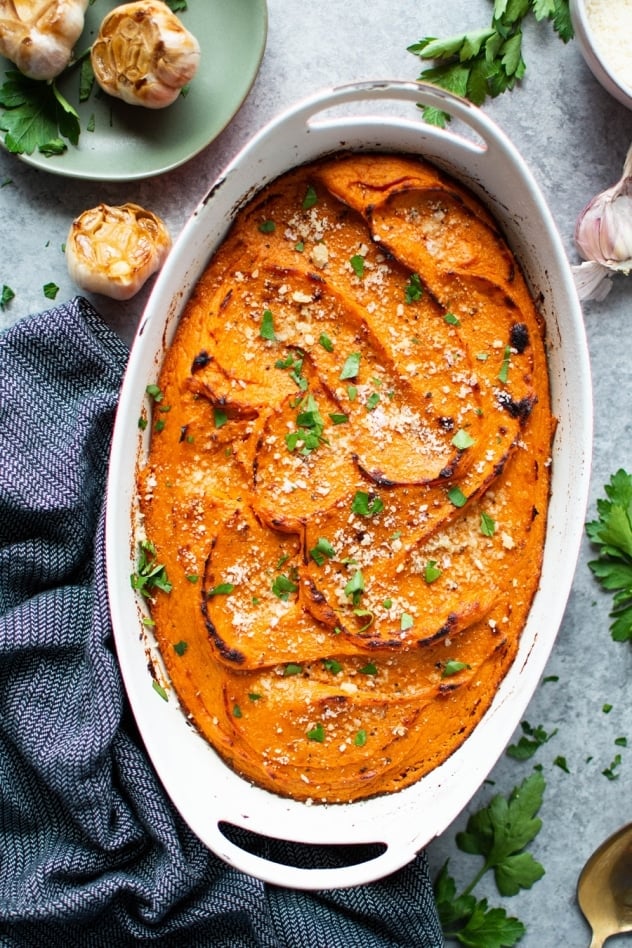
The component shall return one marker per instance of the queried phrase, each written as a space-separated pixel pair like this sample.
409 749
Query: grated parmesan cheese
610 22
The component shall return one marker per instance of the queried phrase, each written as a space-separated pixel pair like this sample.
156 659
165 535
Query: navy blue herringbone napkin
92 853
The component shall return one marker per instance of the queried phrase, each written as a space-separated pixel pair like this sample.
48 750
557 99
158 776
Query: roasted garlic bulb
114 250
38 36
144 55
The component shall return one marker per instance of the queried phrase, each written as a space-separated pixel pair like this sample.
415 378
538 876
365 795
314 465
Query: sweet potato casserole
346 491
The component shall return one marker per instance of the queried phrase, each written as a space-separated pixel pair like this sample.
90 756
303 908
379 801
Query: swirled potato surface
348 479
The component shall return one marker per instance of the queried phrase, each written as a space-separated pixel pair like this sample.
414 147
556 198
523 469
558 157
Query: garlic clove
604 228
144 55
114 250
593 281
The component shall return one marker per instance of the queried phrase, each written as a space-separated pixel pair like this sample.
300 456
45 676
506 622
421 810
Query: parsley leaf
35 116
500 832
532 738
6 295
612 534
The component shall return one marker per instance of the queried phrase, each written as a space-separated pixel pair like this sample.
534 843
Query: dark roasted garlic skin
144 55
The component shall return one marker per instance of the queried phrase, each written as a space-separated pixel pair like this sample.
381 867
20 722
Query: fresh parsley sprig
612 534
500 833
488 61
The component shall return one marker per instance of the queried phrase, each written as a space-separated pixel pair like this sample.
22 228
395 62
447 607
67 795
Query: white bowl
596 55
204 789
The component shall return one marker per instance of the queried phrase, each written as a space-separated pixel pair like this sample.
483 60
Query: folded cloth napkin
92 852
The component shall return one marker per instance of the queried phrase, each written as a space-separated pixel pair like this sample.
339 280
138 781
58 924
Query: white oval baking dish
206 792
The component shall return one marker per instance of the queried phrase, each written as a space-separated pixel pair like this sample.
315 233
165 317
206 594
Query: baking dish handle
419 93
366 870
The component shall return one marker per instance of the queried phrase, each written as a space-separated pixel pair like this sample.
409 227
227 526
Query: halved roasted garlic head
114 250
144 55
38 35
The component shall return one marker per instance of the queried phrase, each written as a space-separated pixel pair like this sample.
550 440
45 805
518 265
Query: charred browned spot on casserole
519 337
446 687
232 655
517 409
200 360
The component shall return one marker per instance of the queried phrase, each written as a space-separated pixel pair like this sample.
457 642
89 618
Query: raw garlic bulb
144 55
114 250
38 35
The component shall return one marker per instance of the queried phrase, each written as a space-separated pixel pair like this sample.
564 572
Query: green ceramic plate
130 142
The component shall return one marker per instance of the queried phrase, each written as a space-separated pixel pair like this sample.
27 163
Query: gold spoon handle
597 940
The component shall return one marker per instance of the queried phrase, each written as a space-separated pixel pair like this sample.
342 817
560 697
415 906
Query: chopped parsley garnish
457 497
267 227
503 375
317 733
331 665
322 551
180 647
222 589
293 362
220 417
326 342
292 669
154 392
531 739
266 328
611 771
360 738
451 319
487 525
6 295
237 712
357 265
453 668
50 290
406 621
432 572
308 435
283 586
310 199
366 505
414 290
372 401
159 690
368 669
355 586
338 418
150 574
351 366
463 440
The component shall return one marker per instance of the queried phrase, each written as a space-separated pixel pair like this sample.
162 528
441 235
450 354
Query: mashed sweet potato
348 479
